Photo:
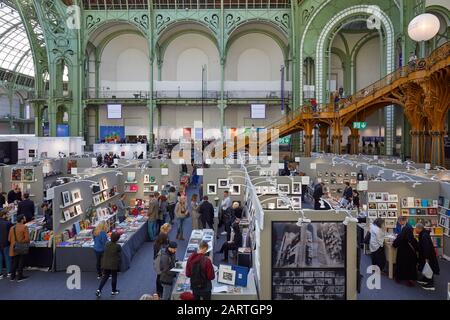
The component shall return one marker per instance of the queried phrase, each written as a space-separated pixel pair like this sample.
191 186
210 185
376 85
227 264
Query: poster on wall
112 133
308 262
62 130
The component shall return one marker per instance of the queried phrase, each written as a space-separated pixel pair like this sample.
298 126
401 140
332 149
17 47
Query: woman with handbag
19 239
181 212
406 263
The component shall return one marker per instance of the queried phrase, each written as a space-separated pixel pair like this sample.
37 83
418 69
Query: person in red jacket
200 270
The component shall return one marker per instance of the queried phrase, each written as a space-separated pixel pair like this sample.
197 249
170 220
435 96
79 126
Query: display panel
308 262
258 111
9 152
114 111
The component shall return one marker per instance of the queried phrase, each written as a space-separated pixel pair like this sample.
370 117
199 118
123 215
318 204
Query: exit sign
285 141
359 125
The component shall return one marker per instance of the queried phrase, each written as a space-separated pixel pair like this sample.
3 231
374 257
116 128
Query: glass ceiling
15 51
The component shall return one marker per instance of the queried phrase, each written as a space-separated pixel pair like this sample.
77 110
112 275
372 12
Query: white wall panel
368 64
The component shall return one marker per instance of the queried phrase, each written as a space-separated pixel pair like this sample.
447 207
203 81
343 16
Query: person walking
26 207
171 202
162 211
111 264
5 226
376 244
181 212
427 255
18 234
121 208
100 240
234 243
162 241
200 270
165 261
224 206
406 263
206 212
153 211
194 212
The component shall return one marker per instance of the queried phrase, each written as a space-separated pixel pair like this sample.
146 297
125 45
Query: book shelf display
424 211
71 205
444 215
383 205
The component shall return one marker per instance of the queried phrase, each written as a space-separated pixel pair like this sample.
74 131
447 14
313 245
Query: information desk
219 291
124 151
84 256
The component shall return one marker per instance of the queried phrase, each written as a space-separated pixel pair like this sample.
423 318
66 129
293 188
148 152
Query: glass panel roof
15 51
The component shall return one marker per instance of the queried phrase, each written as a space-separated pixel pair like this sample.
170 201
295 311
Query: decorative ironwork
231 21
91 21
212 21
307 14
143 21
283 21
161 21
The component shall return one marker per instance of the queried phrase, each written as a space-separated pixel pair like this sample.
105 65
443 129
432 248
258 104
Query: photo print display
390 223
392 205
393 198
385 196
392 214
146 178
372 214
28 175
76 195
296 188
282 204
66 198
382 214
153 188
296 202
104 184
308 262
16 174
226 275
223 183
382 206
371 197
378 197
66 215
283 188
131 176
372 206
235 189
78 210
211 189
96 200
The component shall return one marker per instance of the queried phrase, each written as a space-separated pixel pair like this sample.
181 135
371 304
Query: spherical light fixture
423 27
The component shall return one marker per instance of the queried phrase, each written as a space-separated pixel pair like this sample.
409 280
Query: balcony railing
186 94
184 4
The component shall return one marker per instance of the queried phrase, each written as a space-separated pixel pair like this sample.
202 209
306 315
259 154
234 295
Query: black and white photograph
283 188
373 214
378 197
392 214
146 178
96 200
392 206
226 275
76 195
371 196
382 214
235 189
382 206
66 198
296 188
104 184
153 188
78 210
211 189
282 204
296 202
66 215
313 245
223 183
393 198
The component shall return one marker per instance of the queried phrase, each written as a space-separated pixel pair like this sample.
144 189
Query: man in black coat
14 195
5 225
26 207
406 263
206 211
427 254
317 195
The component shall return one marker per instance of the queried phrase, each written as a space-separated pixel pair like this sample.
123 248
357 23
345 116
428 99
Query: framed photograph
385 196
353 174
99 213
28 175
393 198
405 212
382 214
211 189
390 223
392 214
404 203
382 206
378 197
281 204
392 206
131 176
154 188
296 188
66 215
283 188
258 189
372 214
223 183
96 200
371 196
104 184
78 210
76 195
105 195
226 275
372 206
16 174
296 202
72 212
66 198
146 178
235 189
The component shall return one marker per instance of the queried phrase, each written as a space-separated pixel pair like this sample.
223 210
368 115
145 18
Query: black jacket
238 212
12 196
48 220
427 252
348 193
206 211
318 192
2 200
5 225
26 207
167 263
237 239
112 256
407 247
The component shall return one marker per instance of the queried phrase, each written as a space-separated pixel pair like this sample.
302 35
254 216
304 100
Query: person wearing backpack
19 239
164 262
200 270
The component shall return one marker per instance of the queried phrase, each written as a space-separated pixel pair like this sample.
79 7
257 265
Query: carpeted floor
140 279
